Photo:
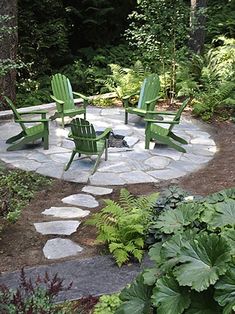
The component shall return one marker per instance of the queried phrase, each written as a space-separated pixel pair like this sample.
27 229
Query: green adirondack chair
165 135
31 133
87 142
63 96
149 94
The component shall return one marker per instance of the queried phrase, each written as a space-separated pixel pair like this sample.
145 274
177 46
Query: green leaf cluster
17 187
210 79
122 225
195 265
107 304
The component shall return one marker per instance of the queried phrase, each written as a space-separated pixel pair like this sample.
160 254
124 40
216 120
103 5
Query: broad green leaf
151 275
203 303
203 261
225 288
229 235
169 297
172 221
155 253
136 299
224 214
220 196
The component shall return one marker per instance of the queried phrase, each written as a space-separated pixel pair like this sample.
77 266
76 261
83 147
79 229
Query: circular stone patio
124 166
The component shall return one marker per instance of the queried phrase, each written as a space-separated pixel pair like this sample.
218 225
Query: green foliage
210 79
125 81
107 304
194 265
169 198
122 225
17 187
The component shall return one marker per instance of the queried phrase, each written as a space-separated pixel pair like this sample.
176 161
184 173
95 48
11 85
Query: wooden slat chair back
163 135
62 90
87 142
149 94
31 133
85 136
63 96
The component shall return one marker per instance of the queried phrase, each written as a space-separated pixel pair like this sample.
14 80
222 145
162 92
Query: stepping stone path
58 247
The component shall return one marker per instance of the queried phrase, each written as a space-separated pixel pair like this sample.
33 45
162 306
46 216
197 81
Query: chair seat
159 129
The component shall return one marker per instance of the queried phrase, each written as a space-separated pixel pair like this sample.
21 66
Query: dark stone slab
94 276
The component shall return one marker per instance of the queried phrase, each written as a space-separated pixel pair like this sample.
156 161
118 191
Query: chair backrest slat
62 90
84 131
17 116
149 90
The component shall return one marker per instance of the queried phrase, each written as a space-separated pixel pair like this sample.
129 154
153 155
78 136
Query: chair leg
97 162
84 115
70 160
106 149
62 121
177 138
126 117
46 136
15 138
19 144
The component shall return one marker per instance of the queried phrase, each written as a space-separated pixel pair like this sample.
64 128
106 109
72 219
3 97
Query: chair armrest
148 102
104 134
33 112
169 113
32 121
61 102
81 95
159 121
131 95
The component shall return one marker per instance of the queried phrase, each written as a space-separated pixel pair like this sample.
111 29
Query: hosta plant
122 225
194 266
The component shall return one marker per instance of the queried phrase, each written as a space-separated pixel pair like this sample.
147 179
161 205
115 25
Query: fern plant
125 81
210 79
122 225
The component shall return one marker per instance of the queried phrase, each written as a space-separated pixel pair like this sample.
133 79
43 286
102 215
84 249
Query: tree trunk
197 25
8 47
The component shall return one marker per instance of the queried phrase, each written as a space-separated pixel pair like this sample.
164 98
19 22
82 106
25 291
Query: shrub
107 304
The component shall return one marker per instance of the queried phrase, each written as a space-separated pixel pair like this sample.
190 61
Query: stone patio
124 166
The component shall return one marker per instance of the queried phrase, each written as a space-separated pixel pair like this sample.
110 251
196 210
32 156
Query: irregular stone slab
81 200
137 177
110 112
202 150
96 190
76 175
65 227
184 165
55 150
117 167
30 165
51 169
157 162
123 131
66 212
198 159
166 152
39 157
203 141
61 158
104 178
131 140
166 174
59 248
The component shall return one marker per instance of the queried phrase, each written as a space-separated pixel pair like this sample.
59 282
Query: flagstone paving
66 212
60 248
125 165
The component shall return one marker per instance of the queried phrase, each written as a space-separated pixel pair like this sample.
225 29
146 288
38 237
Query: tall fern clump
125 81
210 79
122 225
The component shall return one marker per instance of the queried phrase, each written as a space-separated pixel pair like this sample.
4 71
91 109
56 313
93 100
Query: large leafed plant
194 269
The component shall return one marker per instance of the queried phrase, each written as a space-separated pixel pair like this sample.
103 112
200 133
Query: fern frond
121 256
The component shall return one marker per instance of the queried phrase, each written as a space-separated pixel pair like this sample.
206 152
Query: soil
21 245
